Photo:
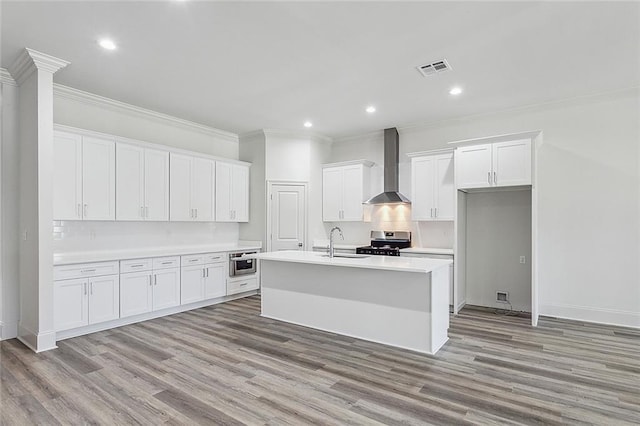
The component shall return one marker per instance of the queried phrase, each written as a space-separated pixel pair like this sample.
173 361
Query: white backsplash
73 236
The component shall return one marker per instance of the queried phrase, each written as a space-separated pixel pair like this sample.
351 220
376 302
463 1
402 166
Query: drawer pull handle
167 263
243 284
137 266
86 271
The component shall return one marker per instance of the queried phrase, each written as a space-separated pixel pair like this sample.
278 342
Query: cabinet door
202 179
423 171
166 288
332 194
180 187
67 176
215 280
191 284
98 178
104 298
156 185
70 304
444 187
512 163
473 166
129 182
135 293
240 193
223 205
352 193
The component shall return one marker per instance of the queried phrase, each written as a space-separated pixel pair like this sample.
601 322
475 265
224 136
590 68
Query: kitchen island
402 302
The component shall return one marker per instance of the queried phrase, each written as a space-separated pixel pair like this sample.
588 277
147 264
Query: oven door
238 265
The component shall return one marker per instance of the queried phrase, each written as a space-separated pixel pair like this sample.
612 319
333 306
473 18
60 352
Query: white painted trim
432 152
143 144
590 314
316 137
361 137
366 163
37 342
6 78
67 334
270 184
535 304
101 101
31 60
8 330
531 134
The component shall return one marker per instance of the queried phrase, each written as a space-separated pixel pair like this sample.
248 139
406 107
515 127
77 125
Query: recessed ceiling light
455 90
371 109
308 124
107 44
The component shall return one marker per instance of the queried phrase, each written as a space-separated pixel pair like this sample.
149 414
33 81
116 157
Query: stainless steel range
386 243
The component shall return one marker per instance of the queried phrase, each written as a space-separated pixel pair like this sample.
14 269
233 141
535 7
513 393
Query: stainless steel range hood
391 195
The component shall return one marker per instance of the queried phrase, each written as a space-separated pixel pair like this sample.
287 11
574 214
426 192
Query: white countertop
427 250
389 263
68 258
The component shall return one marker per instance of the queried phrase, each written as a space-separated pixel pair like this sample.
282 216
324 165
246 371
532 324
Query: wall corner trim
37 342
6 78
31 60
67 92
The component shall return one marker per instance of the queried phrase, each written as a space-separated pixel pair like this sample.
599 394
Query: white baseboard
589 314
37 342
8 330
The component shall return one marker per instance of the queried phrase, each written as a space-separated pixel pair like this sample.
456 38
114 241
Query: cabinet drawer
65 272
193 259
215 257
240 286
135 265
166 262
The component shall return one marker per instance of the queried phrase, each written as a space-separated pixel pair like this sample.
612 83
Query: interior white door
67 176
156 185
215 280
180 187
191 286
445 187
288 217
104 298
135 293
166 288
352 191
98 178
70 304
240 193
473 166
332 194
129 182
423 187
512 163
202 184
223 204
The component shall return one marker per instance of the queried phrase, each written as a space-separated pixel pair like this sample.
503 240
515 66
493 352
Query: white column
9 291
33 72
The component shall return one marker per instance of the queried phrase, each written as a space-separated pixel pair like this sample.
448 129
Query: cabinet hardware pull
85 210
435 211
141 211
79 211
91 288
193 260
146 212
167 263
495 178
431 212
86 271
207 269
85 288
196 213
202 272
243 284
155 279
489 177
150 280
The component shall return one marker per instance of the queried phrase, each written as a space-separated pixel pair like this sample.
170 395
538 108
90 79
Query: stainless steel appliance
386 243
239 264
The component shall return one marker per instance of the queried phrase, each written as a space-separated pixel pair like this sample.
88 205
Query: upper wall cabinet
83 177
191 188
494 165
344 188
232 192
432 186
142 183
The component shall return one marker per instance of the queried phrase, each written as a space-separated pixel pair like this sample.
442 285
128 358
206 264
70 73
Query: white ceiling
242 66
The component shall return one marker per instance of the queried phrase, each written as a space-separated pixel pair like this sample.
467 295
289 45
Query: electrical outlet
502 296
522 259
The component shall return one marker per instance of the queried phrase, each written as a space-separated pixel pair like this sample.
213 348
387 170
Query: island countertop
388 263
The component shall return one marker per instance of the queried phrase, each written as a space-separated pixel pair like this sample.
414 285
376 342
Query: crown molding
430 152
374 135
31 60
316 137
67 92
366 163
5 78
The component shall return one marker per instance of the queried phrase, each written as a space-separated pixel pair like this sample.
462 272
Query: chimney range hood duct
391 155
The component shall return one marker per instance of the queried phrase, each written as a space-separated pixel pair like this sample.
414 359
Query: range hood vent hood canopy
391 195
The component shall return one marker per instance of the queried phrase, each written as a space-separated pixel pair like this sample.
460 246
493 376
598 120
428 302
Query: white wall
252 149
589 196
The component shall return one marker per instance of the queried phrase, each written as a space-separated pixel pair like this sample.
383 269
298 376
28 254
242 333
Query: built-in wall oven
240 264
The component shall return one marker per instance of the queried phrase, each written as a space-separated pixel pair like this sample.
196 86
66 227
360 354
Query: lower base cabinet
240 285
147 291
203 277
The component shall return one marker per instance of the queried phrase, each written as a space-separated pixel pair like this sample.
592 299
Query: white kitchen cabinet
192 289
83 301
166 288
104 298
155 285
432 187
142 183
136 293
232 192
83 177
344 188
191 188
203 277
215 280
498 164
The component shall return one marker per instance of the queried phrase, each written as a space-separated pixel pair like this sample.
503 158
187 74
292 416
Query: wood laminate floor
227 365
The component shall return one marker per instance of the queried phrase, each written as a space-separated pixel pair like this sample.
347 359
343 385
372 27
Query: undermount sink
348 255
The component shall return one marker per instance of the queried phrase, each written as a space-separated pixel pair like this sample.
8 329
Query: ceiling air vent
434 68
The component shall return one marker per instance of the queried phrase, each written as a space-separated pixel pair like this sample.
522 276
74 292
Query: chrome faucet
335 228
